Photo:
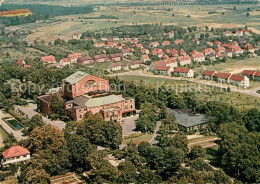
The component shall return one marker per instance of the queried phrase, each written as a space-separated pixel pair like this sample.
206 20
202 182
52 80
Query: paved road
153 140
17 133
128 125
29 110
251 92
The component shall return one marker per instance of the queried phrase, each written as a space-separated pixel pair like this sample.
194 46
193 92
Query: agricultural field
222 18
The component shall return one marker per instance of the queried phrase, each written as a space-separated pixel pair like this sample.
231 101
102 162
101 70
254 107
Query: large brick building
84 93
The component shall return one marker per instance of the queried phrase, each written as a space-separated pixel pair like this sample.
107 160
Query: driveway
251 92
30 111
128 125
17 133
153 140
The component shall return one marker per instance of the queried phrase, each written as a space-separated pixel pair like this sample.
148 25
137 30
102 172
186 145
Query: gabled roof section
76 77
15 151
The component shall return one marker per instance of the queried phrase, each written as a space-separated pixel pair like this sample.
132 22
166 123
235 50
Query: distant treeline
101 17
40 12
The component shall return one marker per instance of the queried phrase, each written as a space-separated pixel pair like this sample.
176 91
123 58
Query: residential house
157 52
27 66
248 47
228 33
237 51
239 80
182 52
116 66
247 32
134 64
178 41
76 36
249 73
85 60
184 60
183 72
156 63
145 51
116 38
208 51
48 59
219 55
257 76
221 50
171 62
14 155
166 43
217 43
103 38
126 52
139 46
198 57
164 70
221 77
234 43
74 57
145 58
239 33
208 74
154 44
65 62
99 44
210 43
116 57
171 34
20 62
197 41
100 58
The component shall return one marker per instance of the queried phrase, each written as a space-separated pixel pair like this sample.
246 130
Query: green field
144 138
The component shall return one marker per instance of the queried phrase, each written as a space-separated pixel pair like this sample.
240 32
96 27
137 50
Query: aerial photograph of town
129 91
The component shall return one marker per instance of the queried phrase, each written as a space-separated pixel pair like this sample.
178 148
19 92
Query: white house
198 57
15 154
183 72
74 57
184 60
164 70
116 66
134 64
239 80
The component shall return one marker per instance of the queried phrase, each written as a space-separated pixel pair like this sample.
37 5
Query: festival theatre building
84 93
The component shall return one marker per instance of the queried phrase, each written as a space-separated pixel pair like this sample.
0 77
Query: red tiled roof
208 50
15 151
165 68
158 63
134 62
20 61
181 70
75 55
257 74
237 77
198 55
222 75
65 60
116 64
27 66
249 72
208 72
184 58
145 56
170 60
48 58
220 49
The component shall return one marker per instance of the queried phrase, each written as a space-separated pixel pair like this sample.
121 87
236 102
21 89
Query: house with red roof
74 57
220 50
171 62
237 51
134 64
116 57
85 60
234 43
139 46
163 70
239 80
100 58
20 62
15 154
166 43
157 52
208 74
64 62
182 52
249 73
76 36
126 52
184 60
156 63
154 44
208 51
248 47
221 77
217 43
145 58
257 76
183 72
10 35
239 33
198 57
27 66
210 43
227 33
197 41
116 66
178 41
145 51
48 59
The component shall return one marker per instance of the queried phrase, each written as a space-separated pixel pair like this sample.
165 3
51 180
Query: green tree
56 105
197 152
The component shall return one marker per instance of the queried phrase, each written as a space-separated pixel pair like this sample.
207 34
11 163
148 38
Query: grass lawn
144 138
4 135
211 152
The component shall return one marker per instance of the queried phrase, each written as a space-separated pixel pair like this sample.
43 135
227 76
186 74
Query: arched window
90 83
